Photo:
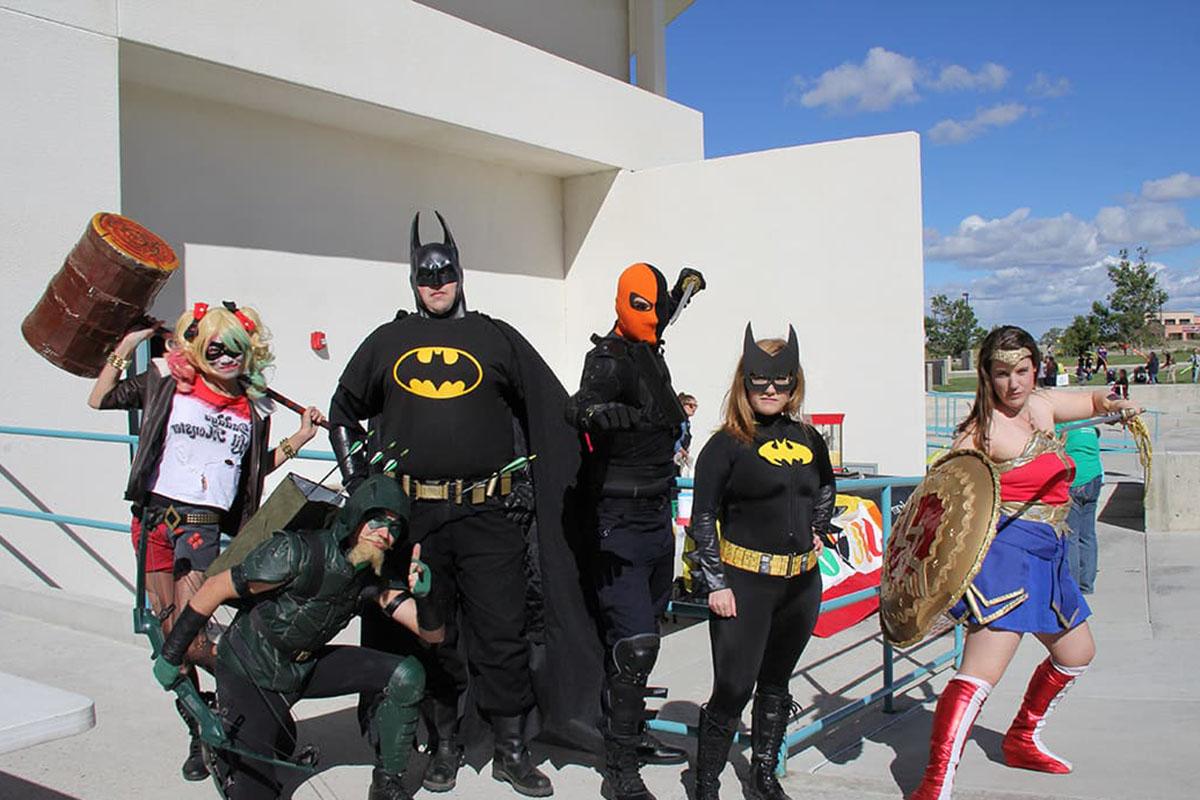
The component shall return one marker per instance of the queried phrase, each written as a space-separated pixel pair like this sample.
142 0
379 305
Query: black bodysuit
768 496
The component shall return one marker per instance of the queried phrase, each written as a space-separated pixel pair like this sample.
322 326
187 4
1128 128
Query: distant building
1178 326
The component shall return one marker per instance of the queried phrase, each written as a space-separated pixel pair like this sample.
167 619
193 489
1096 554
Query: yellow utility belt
783 566
457 491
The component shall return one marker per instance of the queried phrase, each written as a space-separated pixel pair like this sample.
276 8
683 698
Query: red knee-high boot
956 711
1023 743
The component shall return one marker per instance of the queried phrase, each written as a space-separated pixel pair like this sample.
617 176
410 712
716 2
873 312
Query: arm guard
823 514
353 464
185 629
708 553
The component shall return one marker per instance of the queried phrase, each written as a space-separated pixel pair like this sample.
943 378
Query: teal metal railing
92 436
950 408
885 693
890 683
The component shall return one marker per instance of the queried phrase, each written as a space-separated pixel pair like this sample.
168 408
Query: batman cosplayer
630 417
766 477
295 592
454 398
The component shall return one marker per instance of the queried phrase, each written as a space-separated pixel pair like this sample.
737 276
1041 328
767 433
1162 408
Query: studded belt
173 518
457 491
780 565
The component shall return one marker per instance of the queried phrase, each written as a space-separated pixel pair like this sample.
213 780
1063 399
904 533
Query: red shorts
160 552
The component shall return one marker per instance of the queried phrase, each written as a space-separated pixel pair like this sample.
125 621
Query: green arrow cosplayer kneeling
295 592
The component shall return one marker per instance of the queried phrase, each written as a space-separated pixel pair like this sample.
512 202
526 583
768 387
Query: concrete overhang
397 70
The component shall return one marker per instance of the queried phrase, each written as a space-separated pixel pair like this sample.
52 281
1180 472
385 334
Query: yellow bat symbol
784 451
439 373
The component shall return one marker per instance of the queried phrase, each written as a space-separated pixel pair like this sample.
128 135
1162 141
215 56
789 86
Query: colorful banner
862 534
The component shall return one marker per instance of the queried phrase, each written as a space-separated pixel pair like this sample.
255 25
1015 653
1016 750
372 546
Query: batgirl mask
760 369
643 304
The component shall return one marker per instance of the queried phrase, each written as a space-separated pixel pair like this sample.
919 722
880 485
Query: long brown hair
739 415
978 421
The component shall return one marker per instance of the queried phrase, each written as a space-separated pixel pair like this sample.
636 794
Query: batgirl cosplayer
1023 585
766 477
203 454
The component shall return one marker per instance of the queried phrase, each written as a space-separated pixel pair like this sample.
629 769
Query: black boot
194 768
768 722
651 750
387 786
712 751
621 778
446 754
511 761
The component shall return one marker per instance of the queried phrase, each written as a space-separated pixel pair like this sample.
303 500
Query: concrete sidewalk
1131 725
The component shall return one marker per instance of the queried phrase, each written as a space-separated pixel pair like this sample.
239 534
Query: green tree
1135 300
1050 338
1081 336
951 327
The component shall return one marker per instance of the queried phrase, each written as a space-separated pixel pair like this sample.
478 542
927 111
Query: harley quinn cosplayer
202 454
766 478
1024 585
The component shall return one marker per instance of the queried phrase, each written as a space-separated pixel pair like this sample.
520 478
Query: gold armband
117 362
286 446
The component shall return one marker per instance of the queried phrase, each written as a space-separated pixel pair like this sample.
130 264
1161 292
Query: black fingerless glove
708 551
187 627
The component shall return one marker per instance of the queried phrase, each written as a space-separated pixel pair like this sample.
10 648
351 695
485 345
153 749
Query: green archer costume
296 591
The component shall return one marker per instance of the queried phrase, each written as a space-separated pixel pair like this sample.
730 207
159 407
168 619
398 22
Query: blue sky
1052 133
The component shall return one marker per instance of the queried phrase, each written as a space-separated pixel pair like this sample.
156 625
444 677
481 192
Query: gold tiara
1011 357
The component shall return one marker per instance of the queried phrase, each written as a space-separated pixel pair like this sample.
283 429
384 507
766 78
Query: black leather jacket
152 392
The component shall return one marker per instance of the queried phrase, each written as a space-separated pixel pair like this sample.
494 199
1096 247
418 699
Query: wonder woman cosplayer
1024 585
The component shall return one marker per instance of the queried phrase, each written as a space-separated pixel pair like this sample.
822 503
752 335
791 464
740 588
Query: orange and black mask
643 304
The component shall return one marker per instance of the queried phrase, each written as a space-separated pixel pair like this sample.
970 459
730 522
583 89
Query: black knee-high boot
712 751
768 723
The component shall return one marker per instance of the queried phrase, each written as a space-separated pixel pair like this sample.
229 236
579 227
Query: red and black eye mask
643 304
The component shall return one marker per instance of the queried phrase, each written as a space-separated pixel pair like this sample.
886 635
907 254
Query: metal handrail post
885 500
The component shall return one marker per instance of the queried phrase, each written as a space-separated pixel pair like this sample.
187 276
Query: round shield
938 544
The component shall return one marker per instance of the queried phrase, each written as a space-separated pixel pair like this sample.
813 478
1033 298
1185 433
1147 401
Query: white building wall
593 33
58 166
826 237
203 128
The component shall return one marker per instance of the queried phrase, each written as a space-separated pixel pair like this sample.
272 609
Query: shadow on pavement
1124 508
12 786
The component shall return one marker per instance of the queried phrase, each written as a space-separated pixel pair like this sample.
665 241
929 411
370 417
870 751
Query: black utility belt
458 491
156 512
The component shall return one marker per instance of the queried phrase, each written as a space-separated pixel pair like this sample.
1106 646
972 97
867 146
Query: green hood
377 492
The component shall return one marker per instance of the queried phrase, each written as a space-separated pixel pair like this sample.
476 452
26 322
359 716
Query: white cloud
1179 186
1020 240
953 131
884 79
1016 240
1155 225
990 77
1045 86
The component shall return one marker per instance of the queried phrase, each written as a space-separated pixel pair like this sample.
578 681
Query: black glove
611 417
519 504
687 275
352 460
707 554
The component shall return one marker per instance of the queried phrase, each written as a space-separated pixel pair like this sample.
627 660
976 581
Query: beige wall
594 33
58 166
826 237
